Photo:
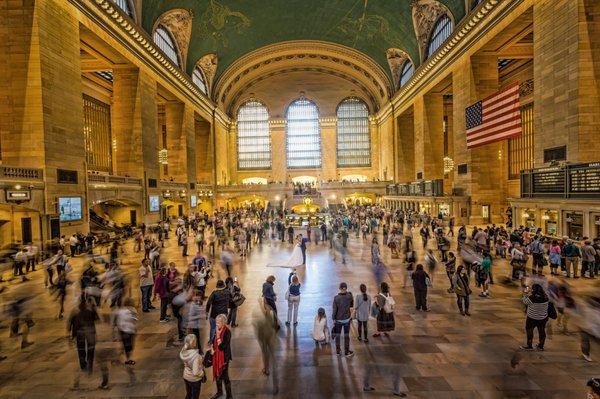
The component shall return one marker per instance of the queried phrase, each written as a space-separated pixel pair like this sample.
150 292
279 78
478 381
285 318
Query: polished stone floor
440 354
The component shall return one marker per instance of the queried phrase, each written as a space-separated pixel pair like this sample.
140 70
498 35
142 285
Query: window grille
440 32
405 73
520 149
303 135
97 134
353 137
163 39
253 136
198 80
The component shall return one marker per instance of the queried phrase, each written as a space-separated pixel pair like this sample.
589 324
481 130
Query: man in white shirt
146 284
32 252
20 261
73 242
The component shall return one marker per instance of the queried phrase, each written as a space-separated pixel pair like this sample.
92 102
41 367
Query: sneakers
539 348
526 348
163 321
588 358
368 389
349 354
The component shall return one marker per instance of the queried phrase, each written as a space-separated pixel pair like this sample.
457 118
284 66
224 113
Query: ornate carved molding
179 23
526 89
396 59
425 13
208 64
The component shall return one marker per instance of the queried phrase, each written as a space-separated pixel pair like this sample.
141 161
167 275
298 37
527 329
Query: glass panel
303 138
353 137
406 73
124 5
520 149
198 80
441 30
253 137
96 130
165 42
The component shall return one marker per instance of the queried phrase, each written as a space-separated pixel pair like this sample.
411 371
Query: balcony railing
110 180
18 173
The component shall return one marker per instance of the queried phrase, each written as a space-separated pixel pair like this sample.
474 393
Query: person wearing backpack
460 282
384 303
193 372
420 282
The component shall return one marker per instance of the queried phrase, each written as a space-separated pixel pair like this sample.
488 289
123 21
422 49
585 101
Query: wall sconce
525 215
448 165
545 217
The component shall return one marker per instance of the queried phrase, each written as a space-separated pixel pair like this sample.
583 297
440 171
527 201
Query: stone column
278 157
428 135
204 153
134 119
485 180
406 147
329 168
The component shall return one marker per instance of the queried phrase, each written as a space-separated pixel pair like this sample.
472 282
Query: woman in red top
221 349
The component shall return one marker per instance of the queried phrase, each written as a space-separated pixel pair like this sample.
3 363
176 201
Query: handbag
374 309
207 360
238 299
552 311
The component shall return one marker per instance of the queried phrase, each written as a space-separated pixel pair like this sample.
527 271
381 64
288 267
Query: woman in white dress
295 259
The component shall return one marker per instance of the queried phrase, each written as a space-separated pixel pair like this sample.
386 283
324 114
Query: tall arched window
163 39
303 135
353 137
475 3
440 32
406 73
125 6
198 80
253 136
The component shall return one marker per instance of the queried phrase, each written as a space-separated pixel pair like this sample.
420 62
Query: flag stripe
508 119
497 117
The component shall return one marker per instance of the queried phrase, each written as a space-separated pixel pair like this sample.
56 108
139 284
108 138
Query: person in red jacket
161 288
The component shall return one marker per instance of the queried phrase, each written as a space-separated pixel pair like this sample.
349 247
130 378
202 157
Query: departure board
548 181
584 178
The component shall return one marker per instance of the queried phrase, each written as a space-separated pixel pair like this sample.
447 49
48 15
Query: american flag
495 118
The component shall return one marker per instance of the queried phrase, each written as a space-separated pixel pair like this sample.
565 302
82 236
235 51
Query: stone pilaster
428 135
406 147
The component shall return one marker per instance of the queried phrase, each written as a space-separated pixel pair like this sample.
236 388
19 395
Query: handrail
19 173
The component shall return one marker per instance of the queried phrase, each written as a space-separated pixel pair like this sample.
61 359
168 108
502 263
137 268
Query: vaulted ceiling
232 28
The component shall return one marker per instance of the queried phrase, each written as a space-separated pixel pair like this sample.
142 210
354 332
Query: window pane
198 80
353 137
441 30
520 149
96 131
165 42
303 138
406 73
253 137
124 5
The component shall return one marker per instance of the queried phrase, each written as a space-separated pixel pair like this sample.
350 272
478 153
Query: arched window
353 137
303 135
163 39
406 73
475 3
125 6
440 32
253 136
198 80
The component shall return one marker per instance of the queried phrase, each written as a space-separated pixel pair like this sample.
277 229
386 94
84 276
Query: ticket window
574 222
528 219
550 222
485 213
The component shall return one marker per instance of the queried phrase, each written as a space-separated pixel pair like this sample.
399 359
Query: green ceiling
232 28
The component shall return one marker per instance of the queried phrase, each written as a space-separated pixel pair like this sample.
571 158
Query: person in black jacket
221 351
218 303
420 278
82 329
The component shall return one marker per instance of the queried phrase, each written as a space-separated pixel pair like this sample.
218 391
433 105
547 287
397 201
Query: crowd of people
106 301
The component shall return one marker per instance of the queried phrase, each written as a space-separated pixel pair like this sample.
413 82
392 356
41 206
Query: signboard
549 180
17 195
153 203
69 209
584 178
193 201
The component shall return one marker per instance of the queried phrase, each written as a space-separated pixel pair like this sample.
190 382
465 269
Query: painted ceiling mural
232 28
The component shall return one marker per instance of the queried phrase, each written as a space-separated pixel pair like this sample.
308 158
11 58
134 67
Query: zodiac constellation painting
218 20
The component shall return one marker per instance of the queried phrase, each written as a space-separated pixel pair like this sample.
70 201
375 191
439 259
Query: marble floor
439 354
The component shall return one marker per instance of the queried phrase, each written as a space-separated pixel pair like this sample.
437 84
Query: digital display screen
69 209
193 201
153 203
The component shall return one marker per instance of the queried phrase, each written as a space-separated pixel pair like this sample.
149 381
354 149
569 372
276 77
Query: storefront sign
15 195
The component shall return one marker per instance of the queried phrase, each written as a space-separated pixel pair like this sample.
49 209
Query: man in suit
303 242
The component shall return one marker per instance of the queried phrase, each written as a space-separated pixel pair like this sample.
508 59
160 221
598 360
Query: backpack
388 306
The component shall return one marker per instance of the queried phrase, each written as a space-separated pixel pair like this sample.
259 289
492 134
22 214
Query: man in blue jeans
343 303
146 284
